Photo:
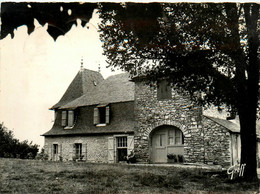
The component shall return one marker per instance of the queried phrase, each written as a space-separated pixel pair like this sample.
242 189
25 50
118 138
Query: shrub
171 156
11 147
42 156
180 158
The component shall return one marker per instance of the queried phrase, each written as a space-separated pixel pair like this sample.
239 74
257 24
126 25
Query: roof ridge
124 73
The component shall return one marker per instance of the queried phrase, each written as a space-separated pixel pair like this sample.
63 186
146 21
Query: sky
35 71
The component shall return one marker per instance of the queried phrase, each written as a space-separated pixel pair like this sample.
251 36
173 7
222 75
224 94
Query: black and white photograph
129 97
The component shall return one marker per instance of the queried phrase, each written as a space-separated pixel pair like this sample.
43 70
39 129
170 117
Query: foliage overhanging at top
191 44
59 16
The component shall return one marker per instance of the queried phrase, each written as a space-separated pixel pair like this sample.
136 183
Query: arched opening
166 140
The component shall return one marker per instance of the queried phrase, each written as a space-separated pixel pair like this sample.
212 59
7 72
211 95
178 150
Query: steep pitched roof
116 88
235 128
84 82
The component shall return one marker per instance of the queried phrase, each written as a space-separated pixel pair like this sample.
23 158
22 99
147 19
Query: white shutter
47 150
107 114
110 149
71 118
71 151
130 144
46 147
50 151
64 118
84 151
60 150
96 116
55 114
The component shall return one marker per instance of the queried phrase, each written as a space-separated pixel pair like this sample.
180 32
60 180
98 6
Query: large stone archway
164 140
157 124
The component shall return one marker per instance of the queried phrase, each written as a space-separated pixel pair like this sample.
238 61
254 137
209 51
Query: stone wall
178 111
204 140
94 148
217 141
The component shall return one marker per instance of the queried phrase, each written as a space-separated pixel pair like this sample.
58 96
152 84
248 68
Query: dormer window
67 119
164 90
101 115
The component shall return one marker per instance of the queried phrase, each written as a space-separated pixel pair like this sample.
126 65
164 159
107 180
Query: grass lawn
32 176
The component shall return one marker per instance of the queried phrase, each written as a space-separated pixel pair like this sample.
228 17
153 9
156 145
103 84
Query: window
55 149
175 137
121 148
101 115
121 142
164 90
161 139
67 118
78 149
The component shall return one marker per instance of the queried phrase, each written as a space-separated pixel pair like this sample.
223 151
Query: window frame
78 149
105 115
55 148
164 90
176 133
121 142
68 119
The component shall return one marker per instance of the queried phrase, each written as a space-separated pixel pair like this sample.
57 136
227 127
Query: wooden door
159 151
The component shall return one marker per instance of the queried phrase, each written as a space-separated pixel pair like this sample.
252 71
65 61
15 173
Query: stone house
103 120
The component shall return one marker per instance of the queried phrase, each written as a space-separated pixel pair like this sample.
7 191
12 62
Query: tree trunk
246 79
248 144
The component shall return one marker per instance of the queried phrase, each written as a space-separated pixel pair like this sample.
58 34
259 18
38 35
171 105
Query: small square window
164 90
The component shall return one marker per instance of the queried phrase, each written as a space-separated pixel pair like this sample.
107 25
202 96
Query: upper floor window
164 90
67 119
101 115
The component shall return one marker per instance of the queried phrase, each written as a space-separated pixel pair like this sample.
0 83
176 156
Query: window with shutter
101 115
68 119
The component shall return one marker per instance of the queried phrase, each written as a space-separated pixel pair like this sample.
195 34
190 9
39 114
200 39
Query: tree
207 48
13 148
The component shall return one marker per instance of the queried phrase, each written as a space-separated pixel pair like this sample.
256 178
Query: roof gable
84 82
